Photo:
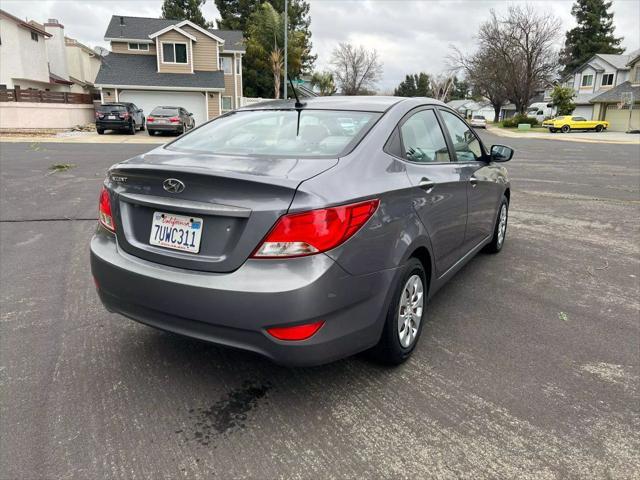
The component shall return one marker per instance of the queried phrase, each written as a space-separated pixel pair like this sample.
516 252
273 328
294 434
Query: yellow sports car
567 123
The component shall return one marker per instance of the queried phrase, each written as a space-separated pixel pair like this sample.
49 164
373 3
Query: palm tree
324 82
276 62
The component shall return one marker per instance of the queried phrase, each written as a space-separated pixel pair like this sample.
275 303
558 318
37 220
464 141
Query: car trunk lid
239 199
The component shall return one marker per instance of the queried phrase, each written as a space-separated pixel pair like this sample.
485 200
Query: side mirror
139 110
190 114
501 153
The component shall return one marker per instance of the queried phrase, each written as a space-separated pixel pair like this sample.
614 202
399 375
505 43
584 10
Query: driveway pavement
574 136
528 367
86 137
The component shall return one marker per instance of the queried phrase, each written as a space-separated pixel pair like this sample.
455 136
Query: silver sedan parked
305 232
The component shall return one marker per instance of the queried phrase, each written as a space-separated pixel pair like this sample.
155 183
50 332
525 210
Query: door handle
473 181
426 184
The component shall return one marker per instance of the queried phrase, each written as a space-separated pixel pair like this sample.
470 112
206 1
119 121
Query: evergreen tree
593 34
414 85
459 90
239 14
185 10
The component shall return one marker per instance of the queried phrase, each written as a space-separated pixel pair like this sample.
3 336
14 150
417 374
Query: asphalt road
528 367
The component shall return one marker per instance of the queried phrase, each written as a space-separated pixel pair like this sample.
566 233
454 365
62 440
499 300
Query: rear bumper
233 309
113 124
164 127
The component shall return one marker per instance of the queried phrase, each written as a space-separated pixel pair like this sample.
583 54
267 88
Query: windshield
320 133
478 117
170 111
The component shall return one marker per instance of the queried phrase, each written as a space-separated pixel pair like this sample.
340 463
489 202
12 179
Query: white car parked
478 121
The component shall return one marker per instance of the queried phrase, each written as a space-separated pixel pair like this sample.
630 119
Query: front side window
607 79
465 143
226 64
279 133
587 80
578 119
423 140
174 53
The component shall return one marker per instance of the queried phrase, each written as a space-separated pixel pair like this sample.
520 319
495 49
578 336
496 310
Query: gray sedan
305 232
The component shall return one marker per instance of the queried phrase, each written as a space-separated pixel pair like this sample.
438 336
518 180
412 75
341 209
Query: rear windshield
111 108
478 117
164 111
283 133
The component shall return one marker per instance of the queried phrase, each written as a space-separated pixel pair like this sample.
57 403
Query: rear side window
423 140
465 143
281 133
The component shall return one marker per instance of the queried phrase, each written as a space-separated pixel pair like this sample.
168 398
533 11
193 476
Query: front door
483 191
440 196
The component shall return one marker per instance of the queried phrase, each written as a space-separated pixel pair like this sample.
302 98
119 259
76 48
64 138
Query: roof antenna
298 105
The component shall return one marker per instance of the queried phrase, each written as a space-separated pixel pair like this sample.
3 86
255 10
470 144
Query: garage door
193 102
585 111
618 119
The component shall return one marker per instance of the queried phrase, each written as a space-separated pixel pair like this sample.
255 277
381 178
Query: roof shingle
140 70
615 94
139 28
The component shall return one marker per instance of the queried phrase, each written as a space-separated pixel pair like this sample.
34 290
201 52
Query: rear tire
500 229
100 131
599 128
565 129
553 130
132 129
151 133
405 317
142 126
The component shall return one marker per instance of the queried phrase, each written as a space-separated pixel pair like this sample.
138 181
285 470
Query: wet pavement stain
225 416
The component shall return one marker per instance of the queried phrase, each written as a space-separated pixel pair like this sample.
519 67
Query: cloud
410 36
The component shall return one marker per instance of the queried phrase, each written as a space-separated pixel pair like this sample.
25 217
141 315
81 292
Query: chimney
53 22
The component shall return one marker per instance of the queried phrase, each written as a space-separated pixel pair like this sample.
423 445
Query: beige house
83 64
169 62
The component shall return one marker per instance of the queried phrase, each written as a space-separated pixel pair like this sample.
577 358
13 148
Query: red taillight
104 210
150 119
174 119
99 115
316 231
124 115
297 332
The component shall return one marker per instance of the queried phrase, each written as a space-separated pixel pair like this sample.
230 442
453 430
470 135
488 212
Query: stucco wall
56 50
21 57
23 115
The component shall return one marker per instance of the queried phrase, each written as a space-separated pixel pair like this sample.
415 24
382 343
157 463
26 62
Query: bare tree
485 75
516 57
355 69
441 86
522 45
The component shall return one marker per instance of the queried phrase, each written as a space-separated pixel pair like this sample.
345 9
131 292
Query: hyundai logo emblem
173 185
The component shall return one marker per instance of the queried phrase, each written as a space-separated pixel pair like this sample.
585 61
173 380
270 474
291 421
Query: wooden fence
42 96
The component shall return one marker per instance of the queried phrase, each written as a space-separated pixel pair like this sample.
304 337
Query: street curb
79 140
503 133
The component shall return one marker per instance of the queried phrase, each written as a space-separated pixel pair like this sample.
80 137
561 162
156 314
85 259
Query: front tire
599 128
500 230
405 317
565 129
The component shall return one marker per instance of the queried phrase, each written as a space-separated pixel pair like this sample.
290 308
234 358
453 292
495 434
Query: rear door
483 192
440 189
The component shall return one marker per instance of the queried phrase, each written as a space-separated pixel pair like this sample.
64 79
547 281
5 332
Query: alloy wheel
410 310
502 224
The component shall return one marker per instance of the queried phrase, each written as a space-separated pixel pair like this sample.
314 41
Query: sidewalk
584 137
84 137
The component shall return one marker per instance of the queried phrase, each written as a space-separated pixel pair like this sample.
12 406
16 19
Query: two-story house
620 106
170 62
83 64
600 73
23 54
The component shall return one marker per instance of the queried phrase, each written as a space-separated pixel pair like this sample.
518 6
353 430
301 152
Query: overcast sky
410 36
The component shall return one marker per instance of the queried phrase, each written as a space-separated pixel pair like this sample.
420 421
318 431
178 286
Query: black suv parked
119 116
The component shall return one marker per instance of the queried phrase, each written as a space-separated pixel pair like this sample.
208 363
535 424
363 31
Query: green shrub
519 118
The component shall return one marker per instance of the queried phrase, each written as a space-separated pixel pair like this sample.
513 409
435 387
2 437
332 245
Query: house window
587 80
238 66
607 79
139 46
226 104
34 36
174 53
226 64
637 78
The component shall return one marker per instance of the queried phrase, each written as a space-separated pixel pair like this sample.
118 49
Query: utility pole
286 38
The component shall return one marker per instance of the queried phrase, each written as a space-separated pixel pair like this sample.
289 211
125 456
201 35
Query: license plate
111 117
162 121
178 232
